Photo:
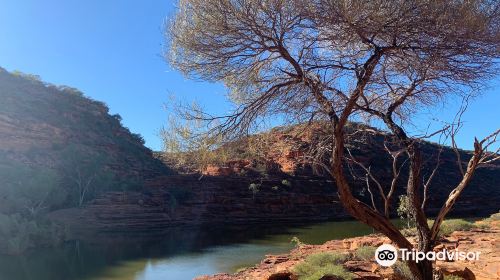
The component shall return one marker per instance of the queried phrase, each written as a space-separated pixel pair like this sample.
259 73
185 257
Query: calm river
177 254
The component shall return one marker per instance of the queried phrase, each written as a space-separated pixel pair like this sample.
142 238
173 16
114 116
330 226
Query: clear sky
111 50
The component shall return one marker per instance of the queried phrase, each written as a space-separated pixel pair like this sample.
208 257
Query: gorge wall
58 129
187 200
279 186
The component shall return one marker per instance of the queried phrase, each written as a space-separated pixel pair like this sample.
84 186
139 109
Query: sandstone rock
270 259
281 276
364 275
455 269
220 276
366 266
360 243
214 170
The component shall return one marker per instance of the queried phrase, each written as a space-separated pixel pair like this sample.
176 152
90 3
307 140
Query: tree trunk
426 270
422 270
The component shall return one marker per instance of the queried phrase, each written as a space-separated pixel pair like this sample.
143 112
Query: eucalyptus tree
335 61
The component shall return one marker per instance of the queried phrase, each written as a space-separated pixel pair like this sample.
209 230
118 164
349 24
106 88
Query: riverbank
484 238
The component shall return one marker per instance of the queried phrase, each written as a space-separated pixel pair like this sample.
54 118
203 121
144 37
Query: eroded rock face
285 152
185 200
282 276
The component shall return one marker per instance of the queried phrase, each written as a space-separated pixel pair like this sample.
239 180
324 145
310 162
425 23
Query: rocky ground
486 241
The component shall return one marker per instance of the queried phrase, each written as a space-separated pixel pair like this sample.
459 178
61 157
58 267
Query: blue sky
111 50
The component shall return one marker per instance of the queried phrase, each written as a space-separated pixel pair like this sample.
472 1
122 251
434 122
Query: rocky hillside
56 130
269 180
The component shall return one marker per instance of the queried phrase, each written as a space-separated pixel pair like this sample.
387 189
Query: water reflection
176 254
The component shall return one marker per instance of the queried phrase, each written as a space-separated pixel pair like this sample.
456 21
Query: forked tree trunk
365 214
422 270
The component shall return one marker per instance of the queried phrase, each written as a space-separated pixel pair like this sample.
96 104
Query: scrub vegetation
319 265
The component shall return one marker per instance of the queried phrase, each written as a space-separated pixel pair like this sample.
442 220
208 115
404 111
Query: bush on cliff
19 233
26 190
365 253
318 265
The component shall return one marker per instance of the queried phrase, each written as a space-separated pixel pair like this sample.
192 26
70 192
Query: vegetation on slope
59 149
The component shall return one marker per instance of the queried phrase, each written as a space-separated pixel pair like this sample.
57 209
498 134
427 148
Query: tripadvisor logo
387 255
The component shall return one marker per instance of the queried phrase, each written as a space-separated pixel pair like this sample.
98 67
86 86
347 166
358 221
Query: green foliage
296 241
494 217
188 145
28 190
486 223
241 269
451 225
30 77
408 232
404 212
287 183
318 265
365 253
327 258
84 174
254 188
17 233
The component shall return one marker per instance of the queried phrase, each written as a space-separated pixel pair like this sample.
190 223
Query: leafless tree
340 60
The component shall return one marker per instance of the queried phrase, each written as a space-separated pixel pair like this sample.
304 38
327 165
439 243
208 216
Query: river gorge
175 254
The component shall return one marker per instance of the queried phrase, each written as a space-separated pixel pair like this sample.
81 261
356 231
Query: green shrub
287 183
315 273
18 234
446 228
404 212
321 259
322 264
494 217
254 188
486 223
449 226
402 271
365 253
296 241
241 269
